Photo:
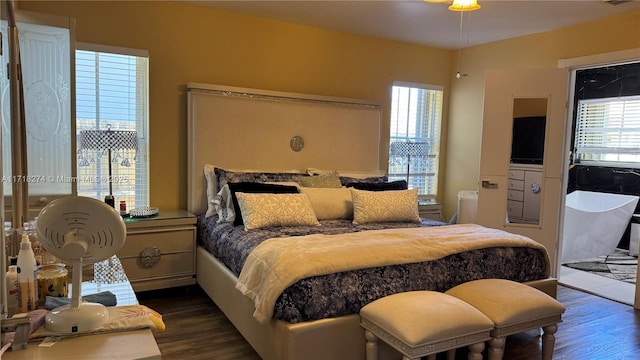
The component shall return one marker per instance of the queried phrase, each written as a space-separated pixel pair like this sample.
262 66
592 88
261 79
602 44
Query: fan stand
79 316
80 230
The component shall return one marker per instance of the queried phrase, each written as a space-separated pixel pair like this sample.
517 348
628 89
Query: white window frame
414 147
129 186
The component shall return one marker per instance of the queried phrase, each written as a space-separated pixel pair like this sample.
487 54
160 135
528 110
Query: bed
279 138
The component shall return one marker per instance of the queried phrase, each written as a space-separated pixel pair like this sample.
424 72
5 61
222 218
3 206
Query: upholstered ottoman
421 323
514 308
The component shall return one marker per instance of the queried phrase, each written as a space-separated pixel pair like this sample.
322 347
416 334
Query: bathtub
594 223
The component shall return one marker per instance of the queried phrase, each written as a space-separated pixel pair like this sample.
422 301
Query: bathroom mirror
525 183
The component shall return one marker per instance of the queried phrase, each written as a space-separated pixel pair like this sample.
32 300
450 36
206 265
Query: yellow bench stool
424 323
513 307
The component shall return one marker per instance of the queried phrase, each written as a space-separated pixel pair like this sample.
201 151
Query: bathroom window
414 142
608 130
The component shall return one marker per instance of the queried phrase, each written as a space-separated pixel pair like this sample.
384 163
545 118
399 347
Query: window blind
608 130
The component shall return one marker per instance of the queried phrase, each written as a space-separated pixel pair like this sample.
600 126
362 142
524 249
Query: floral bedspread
346 292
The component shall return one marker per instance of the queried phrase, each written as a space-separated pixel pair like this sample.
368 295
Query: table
124 345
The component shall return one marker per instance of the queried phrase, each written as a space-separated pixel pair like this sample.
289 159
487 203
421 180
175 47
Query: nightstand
160 251
430 210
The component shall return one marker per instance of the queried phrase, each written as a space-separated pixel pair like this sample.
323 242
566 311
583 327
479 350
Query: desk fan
79 230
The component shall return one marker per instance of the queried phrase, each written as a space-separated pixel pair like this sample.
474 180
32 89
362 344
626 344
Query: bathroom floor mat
619 266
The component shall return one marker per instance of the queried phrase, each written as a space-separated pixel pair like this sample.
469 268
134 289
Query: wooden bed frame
237 128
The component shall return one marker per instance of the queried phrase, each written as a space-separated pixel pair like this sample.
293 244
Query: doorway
603 168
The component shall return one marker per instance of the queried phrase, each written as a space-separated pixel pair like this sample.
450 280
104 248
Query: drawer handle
150 256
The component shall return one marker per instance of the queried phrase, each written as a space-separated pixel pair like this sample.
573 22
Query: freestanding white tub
594 222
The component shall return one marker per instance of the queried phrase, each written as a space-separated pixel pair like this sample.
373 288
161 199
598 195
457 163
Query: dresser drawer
516 184
515 195
514 209
516 174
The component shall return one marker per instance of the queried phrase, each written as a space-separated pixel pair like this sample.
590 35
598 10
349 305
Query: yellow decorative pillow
385 206
330 203
265 210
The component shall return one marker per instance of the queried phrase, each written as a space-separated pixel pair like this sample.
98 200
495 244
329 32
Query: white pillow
210 176
330 203
223 204
385 206
266 210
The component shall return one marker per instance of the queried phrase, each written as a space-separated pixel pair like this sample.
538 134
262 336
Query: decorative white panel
46 71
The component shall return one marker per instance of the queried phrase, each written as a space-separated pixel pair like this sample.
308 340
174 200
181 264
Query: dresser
524 193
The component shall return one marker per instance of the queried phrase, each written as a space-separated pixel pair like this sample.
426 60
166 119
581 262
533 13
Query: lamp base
110 200
86 317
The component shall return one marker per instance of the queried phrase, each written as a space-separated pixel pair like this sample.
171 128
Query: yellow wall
533 51
194 43
189 43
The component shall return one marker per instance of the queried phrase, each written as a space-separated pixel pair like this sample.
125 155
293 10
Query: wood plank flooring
593 328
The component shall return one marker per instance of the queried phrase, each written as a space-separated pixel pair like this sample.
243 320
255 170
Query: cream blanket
277 263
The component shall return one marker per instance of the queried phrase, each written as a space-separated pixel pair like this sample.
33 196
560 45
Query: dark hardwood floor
593 328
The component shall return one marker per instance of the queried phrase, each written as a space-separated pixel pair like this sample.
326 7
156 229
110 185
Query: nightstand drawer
431 211
167 240
164 265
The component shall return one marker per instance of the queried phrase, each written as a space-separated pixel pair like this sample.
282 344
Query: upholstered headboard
238 128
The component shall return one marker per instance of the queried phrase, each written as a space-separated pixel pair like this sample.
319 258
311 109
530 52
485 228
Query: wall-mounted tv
527 142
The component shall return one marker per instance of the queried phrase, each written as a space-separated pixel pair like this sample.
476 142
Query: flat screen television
527 142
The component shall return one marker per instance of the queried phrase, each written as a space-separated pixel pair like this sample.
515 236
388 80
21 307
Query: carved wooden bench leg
451 354
475 351
548 341
496 348
372 345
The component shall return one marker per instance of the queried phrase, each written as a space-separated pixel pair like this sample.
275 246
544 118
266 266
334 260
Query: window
112 113
608 130
414 142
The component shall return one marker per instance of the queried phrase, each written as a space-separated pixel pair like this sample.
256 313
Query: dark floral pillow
379 186
225 176
348 180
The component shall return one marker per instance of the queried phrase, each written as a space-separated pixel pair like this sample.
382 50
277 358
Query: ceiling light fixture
464 5
461 6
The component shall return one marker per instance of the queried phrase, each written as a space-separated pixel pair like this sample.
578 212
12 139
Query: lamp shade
409 149
464 5
108 139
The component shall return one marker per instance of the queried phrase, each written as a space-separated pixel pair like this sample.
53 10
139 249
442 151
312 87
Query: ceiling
431 24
